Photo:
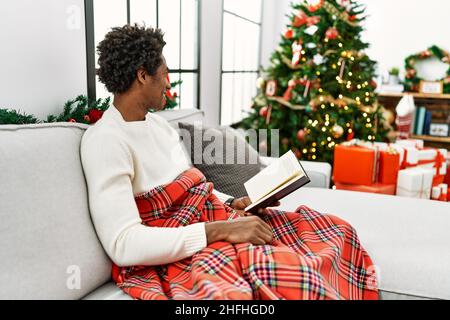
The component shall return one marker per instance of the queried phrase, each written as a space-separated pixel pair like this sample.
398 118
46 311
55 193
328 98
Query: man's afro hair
124 51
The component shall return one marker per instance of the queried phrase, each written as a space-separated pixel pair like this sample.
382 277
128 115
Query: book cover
427 123
416 121
421 120
279 179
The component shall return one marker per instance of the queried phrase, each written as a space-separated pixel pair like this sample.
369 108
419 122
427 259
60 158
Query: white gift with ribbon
411 143
415 183
434 159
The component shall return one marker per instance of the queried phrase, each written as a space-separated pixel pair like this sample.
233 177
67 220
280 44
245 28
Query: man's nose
168 85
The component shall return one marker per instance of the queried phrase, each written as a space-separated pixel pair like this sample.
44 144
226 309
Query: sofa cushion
407 239
46 233
183 115
228 170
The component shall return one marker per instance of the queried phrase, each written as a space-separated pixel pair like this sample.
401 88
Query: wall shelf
433 139
415 95
438 104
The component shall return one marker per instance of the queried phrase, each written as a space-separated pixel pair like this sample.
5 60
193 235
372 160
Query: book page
275 175
295 179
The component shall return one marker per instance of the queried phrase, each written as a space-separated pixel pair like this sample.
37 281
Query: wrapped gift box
447 176
444 192
415 183
379 188
409 157
389 166
363 163
411 143
354 165
434 159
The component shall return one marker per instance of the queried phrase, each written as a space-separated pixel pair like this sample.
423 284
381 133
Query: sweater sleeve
108 167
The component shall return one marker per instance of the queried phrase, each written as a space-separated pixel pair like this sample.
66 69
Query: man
167 232
133 67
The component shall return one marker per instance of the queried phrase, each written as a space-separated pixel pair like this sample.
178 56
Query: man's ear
142 76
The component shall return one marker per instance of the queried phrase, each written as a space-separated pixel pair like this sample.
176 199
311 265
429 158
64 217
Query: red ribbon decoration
405 163
302 18
440 160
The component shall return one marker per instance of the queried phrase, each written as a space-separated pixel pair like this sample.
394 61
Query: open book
279 179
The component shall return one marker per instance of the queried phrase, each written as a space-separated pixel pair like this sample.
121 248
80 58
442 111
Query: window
179 21
240 57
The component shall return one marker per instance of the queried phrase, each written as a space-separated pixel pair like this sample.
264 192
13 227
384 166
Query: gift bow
302 18
438 161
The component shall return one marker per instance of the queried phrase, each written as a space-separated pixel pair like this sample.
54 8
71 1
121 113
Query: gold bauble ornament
260 83
338 131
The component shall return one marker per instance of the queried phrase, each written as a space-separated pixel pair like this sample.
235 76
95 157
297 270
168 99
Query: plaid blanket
313 256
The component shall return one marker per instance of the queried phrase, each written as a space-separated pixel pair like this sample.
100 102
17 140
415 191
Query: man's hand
246 229
242 203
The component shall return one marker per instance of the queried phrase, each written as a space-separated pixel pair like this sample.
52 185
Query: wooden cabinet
439 105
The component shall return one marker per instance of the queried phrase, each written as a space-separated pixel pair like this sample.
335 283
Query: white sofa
49 248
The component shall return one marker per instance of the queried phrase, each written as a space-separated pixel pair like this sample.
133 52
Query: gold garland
282 101
289 63
331 9
345 102
328 99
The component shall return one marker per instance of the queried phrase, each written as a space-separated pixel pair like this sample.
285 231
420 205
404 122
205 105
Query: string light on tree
323 45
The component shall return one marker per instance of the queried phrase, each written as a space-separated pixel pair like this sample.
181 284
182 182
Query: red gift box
365 165
447 177
389 189
389 167
354 165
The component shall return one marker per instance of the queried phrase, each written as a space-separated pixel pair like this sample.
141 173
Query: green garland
80 110
8 116
412 80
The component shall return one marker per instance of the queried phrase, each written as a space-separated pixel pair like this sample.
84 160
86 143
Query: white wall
274 22
42 54
394 29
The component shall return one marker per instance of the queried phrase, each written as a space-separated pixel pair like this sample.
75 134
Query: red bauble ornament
95 115
314 5
332 33
87 119
351 136
301 134
264 112
285 141
297 153
289 34
72 120
300 19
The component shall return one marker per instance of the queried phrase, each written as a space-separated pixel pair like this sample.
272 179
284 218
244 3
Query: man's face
158 85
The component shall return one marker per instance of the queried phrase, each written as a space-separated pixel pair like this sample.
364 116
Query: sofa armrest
318 172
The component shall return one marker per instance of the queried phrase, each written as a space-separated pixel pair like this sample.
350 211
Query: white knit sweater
123 159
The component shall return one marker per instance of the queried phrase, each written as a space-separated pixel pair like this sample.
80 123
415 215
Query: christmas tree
319 90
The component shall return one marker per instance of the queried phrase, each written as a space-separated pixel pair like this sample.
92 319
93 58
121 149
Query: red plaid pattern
313 256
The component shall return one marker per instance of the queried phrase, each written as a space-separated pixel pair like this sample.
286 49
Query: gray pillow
223 155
